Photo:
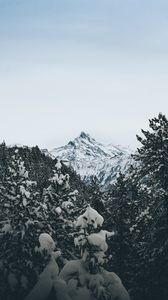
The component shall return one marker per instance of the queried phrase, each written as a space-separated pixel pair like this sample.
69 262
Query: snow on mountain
91 158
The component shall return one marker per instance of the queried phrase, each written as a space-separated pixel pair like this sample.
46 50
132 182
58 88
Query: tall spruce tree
153 172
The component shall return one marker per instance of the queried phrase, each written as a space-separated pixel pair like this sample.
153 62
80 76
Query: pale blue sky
73 65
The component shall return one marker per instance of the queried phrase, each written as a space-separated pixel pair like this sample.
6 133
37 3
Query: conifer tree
121 210
153 173
153 154
86 278
4 158
96 195
61 209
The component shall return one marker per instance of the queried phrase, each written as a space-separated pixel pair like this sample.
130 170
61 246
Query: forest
51 222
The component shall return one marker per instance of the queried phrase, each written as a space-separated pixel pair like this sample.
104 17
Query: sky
66 66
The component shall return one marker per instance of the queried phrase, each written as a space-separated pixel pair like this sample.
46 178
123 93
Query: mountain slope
91 158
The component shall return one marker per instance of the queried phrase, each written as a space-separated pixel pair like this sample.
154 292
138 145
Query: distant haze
68 66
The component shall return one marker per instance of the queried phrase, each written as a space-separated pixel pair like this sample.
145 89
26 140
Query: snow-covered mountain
91 158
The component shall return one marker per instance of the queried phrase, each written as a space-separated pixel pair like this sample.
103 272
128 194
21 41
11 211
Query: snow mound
90 217
99 239
46 243
46 280
102 285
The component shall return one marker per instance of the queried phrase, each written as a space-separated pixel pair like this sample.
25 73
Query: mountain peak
84 135
90 158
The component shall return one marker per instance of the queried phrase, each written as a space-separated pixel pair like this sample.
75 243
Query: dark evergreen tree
121 205
4 159
96 195
153 174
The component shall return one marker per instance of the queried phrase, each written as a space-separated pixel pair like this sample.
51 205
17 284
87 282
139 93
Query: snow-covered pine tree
61 202
152 157
23 220
86 279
